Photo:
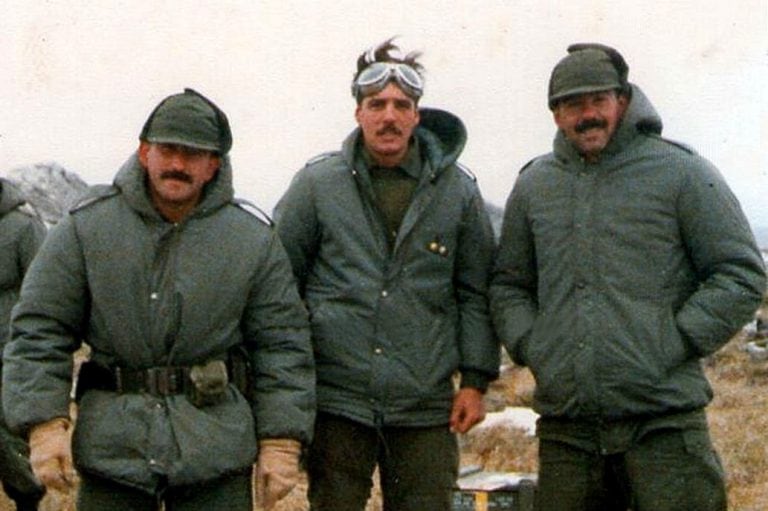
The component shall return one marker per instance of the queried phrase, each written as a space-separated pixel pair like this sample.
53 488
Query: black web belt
158 381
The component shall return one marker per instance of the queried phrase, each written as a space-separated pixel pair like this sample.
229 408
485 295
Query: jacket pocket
111 437
672 347
213 440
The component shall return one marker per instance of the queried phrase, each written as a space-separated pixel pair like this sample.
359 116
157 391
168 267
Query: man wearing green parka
624 259
200 353
392 247
21 233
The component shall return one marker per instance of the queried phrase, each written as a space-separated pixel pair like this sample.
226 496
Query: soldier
179 290
21 234
624 259
392 247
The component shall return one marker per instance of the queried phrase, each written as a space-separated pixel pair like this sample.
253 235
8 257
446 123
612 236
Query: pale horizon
81 77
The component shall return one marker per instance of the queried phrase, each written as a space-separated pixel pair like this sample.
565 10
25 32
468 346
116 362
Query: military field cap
189 119
588 67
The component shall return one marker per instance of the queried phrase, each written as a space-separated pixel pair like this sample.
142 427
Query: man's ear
556 116
213 167
143 150
623 101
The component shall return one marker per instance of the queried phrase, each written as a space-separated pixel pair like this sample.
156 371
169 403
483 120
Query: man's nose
389 111
178 160
589 110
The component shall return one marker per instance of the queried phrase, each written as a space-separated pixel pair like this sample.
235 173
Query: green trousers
418 466
231 493
660 464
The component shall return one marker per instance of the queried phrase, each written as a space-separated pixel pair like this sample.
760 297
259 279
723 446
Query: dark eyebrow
186 150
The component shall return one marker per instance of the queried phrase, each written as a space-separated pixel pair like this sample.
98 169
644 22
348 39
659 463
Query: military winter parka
21 234
145 293
614 279
389 329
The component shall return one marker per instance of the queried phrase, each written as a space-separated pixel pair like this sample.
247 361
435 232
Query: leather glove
50 454
277 470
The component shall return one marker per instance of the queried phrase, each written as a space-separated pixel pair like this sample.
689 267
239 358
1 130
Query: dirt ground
738 417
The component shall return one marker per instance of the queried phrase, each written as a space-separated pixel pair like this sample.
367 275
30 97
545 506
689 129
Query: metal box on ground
477 490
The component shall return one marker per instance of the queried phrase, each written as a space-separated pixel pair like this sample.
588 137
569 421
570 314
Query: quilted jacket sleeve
46 328
723 251
514 285
477 343
277 327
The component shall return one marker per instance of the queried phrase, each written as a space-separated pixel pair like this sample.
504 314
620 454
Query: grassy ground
738 417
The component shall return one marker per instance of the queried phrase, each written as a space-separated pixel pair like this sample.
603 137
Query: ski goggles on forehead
376 76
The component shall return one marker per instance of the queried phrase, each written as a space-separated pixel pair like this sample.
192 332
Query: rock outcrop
49 188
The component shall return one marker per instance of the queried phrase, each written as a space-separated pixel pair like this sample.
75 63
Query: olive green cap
588 67
189 119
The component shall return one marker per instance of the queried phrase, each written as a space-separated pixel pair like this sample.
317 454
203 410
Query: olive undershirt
393 188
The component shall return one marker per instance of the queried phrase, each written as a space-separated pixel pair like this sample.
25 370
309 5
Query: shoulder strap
254 210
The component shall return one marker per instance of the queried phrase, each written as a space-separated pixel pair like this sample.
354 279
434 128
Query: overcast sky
80 77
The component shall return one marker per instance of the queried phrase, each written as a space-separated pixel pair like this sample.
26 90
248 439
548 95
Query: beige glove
50 454
277 470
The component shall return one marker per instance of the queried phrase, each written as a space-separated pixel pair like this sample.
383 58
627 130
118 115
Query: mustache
588 124
177 175
389 128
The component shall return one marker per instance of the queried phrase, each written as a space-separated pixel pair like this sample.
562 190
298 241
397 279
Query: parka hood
640 118
10 197
131 181
442 134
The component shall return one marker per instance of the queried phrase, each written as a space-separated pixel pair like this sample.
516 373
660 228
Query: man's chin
390 140
389 149
592 144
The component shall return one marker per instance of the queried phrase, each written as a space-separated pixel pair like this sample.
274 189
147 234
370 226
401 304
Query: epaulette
94 194
524 167
466 171
254 210
320 157
685 147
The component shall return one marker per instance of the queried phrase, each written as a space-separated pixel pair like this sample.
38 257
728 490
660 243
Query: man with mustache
392 248
200 359
624 260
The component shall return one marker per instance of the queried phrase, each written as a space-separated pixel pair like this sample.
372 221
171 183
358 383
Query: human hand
50 454
468 409
277 470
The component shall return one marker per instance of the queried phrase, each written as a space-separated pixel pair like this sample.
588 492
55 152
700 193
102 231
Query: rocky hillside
49 188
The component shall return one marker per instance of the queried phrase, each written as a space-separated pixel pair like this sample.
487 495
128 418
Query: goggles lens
378 74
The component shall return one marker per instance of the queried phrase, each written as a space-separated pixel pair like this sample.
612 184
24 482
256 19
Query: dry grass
738 416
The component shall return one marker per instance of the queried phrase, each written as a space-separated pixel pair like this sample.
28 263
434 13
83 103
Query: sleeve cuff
474 379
